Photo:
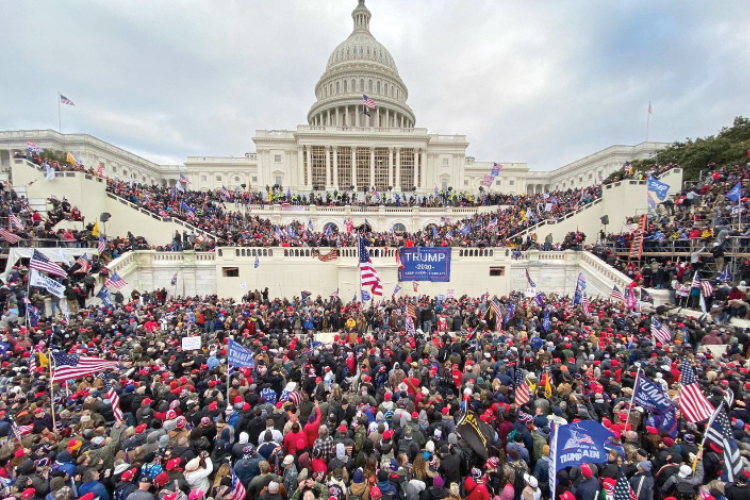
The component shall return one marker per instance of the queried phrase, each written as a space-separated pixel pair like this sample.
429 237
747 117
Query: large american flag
616 294
238 491
705 286
498 314
67 101
84 263
115 281
43 264
368 276
15 221
719 432
693 404
523 394
114 399
623 491
9 237
369 103
586 304
660 331
102 245
71 366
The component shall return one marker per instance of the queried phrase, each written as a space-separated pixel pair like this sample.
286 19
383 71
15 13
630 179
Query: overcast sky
545 82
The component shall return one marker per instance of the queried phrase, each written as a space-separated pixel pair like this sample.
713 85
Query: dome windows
354 85
378 88
369 85
338 88
362 85
345 87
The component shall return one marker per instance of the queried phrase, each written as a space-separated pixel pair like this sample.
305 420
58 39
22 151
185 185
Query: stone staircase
38 204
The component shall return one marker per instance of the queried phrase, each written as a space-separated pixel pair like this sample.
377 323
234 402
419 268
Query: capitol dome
359 66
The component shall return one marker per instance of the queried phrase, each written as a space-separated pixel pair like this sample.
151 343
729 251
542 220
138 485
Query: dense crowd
375 412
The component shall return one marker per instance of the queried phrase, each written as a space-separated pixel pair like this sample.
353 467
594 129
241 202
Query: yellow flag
43 361
69 158
548 386
95 231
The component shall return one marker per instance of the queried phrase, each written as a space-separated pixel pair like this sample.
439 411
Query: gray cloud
543 82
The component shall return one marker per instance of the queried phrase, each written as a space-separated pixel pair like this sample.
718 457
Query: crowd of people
376 411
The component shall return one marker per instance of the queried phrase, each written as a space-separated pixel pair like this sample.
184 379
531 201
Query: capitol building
344 145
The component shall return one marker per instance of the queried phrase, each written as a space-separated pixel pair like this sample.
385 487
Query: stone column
354 167
372 166
308 153
423 168
328 166
356 116
338 124
335 167
390 166
397 186
328 117
387 119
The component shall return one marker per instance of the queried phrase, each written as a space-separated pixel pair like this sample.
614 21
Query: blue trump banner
425 264
239 355
661 189
575 444
665 422
735 193
651 396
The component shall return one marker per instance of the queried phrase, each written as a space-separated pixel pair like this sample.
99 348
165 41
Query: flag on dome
368 102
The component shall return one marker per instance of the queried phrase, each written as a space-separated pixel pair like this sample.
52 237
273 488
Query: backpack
334 490
519 483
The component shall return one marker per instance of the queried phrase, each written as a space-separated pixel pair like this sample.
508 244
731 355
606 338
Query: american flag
84 263
32 363
528 278
616 294
623 491
114 399
43 264
71 366
67 101
162 213
586 303
693 404
411 311
238 491
184 179
660 331
115 281
15 221
21 430
173 281
225 192
719 432
368 103
705 286
498 314
368 276
33 148
102 245
523 394
10 237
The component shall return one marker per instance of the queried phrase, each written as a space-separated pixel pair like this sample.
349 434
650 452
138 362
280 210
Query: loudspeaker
605 219
105 216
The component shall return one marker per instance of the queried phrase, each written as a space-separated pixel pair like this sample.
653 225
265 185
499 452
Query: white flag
52 286
50 173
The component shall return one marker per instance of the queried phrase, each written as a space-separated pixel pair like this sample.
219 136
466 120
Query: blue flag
257 263
575 444
329 230
509 313
309 224
665 422
725 276
735 193
238 355
651 396
580 287
365 295
396 290
661 189
546 323
539 299
105 296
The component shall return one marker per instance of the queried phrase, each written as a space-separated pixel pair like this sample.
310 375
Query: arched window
345 87
354 85
369 85
361 51
362 85
338 87
330 88
378 91
398 227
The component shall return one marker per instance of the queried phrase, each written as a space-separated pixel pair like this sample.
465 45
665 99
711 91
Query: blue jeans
427 326
56 305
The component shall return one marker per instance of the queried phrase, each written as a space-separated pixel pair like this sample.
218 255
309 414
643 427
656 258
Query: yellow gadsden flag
95 231
70 159
43 360
548 386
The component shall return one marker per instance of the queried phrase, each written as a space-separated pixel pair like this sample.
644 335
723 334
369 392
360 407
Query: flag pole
632 398
705 434
59 116
229 370
50 360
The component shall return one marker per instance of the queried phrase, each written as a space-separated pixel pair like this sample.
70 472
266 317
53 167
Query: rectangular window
218 178
381 169
255 179
114 169
204 178
319 166
363 167
445 162
344 167
230 272
466 183
407 169
510 183
277 158
498 183
278 180
497 271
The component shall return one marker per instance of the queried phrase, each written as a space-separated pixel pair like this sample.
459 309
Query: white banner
191 343
48 284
